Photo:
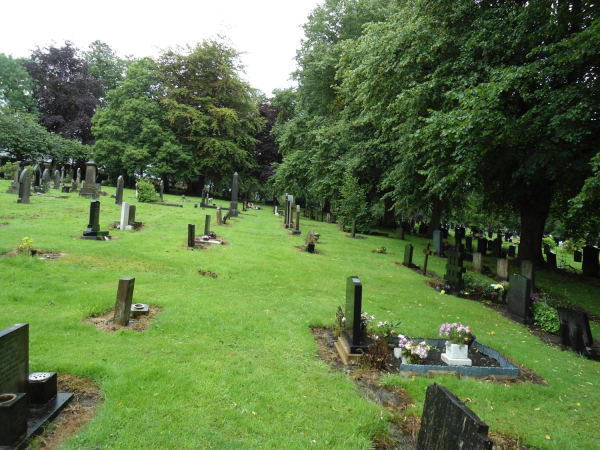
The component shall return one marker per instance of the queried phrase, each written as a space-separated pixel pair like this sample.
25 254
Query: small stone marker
297 229
528 271
124 216
447 424
139 309
502 269
427 253
191 235
577 255
56 179
437 242
519 299
207 225
124 298
220 216
400 233
310 242
590 265
512 251
120 185
233 209
408 255
454 271
575 329
551 260
93 230
24 186
161 189
477 262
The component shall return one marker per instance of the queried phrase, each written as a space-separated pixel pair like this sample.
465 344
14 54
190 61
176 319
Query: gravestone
24 186
408 255
454 271
89 188
512 251
400 233
207 225
482 246
447 424
437 242
477 262
577 255
502 269
546 249
220 216
131 218
161 189
37 175
78 175
297 228
93 230
56 179
457 240
497 247
590 260
427 252
353 234
310 242
46 179
490 245
528 271
120 185
519 299
354 333
62 174
233 209
124 216
551 260
191 235
124 299
14 186
469 244
575 329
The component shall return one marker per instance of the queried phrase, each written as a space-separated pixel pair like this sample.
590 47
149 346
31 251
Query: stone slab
14 359
456 361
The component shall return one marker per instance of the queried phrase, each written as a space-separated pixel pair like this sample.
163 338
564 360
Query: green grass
231 361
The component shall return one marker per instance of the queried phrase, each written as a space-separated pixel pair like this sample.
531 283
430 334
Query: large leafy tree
16 86
105 65
66 93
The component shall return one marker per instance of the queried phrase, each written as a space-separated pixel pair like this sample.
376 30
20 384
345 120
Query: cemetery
173 311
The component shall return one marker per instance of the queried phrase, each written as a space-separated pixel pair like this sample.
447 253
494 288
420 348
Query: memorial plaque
519 299
14 359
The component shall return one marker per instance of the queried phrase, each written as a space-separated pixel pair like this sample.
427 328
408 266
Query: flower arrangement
26 245
412 351
205 237
382 330
457 333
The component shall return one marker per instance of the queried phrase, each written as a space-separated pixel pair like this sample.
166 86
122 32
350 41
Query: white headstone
124 215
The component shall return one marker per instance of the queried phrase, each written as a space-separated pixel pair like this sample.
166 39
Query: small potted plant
459 340
26 246
410 351
383 331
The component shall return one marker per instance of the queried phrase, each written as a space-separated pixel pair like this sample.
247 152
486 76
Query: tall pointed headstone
89 188
119 196
161 189
234 196
25 186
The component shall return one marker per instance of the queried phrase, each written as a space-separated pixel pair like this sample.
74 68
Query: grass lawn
231 361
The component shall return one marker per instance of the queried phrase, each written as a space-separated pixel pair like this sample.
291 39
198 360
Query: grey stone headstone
447 424
161 189
56 179
437 242
408 255
477 262
575 329
191 235
62 174
124 215
46 178
528 271
24 187
207 225
353 311
400 233
502 269
79 176
519 299
124 299
131 218
590 265
234 196
120 185
219 216
89 188
14 359
297 229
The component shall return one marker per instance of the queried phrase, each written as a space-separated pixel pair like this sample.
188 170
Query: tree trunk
388 213
165 180
436 216
533 220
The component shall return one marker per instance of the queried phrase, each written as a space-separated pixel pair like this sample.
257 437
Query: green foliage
147 192
549 241
545 315
380 249
9 169
570 246
16 87
105 65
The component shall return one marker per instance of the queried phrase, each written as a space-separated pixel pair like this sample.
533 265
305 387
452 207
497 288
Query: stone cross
191 235
25 186
124 299
234 196
120 185
427 253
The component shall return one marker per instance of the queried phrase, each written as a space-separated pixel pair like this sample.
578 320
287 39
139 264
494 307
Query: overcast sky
268 31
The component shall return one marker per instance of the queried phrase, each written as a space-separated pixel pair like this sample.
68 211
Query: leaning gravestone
14 186
447 424
24 187
528 271
502 269
93 230
519 299
575 329
590 265
120 185
437 242
124 299
477 262
233 211
408 255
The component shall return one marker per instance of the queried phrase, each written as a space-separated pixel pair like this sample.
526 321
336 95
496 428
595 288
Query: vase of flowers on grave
383 330
459 340
410 351
205 238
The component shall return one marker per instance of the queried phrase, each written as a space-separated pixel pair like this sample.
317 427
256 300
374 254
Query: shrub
572 246
147 193
380 249
545 315
9 169
550 241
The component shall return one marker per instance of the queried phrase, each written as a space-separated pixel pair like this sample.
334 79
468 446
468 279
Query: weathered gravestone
46 179
469 244
220 216
310 242
124 216
233 209
93 230
512 251
14 186
502 269
191 235
207 225
519 299
400 233
120 185
161 190
37 176
124 299
482 246
408 255
590 266
297 228
528 271
56 179
353 340
447 424
454 271
575 329
89 188
551 260
577 255
437 242
24 187
477 262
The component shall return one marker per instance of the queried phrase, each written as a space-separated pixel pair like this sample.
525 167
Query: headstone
234 196
124 299
354 332
447 424
469 244
551 260
78 175
220 216
124 216
482 246
519 299
297 228
207 225
437 242
528 271
408 255
497 248
89 188
400 233
131 218
512 251
290 216
546 249
454 270
477 262
353 228
275 211
577 255
62 174
93 229
590 260
502 269
575 329
191 235
310 242
46 179
24 187
427 252
120 185
161 189
137 192
56 179
37 175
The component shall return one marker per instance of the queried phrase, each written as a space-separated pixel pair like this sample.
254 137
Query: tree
105 66
16 86
66 93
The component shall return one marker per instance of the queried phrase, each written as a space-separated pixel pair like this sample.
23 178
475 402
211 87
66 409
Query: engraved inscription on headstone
14 359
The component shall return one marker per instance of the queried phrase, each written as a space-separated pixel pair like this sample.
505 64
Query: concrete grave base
456 361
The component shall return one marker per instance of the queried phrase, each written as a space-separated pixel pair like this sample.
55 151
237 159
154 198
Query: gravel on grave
434 358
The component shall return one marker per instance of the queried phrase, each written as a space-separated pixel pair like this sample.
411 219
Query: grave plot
204 241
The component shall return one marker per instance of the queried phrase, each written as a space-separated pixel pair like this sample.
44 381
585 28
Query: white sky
268 31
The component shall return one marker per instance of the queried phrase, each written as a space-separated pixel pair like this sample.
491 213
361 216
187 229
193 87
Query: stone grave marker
62 174
454 270
131 219
24 186
191 235
124 216
56 179
161 189
512 251
408 255
37 175
502 269
400 233
590 265
497 248
14 186
519 299
310 242
93 230
297 228
78 175
233 209
482 246
427 252
120 185
575 329
546 249
477 262
124 299
46 178
551 260
447 424
207 225
577 255
220 216
89 188
437 242
353 234
528 271
469 244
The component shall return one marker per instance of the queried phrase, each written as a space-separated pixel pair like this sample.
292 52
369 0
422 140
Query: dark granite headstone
469 244
482 246
519 299
497 247
447 424
437 242
528 271
24 186
14 359
408 255
512 251
353 312
124 299
590 265
575 329
454 270
233 211
191 235
93 229
551 259
207 225
37 175
577 255
120 185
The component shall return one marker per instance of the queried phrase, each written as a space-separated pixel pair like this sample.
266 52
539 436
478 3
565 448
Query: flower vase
404 360
397 352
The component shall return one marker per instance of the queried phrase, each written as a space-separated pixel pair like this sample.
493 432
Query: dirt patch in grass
355 237
49 255
303 250
77 413
139 323
205 273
